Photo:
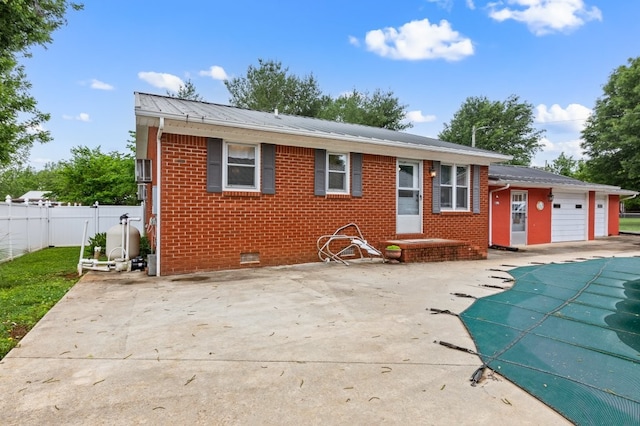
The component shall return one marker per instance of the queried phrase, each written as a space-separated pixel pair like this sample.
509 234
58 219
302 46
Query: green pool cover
569 334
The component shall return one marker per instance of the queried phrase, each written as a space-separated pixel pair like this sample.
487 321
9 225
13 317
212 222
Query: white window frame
225 168
347 173
454 188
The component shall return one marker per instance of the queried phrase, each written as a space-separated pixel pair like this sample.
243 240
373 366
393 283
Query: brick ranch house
228 188
530 206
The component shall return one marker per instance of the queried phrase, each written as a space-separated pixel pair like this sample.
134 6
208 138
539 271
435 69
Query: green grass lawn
630 224
29 286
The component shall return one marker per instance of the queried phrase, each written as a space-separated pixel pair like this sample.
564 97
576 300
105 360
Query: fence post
8 201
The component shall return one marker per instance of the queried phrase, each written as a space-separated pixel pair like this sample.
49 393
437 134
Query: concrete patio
309 344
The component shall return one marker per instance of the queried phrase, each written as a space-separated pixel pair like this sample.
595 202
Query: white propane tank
114 242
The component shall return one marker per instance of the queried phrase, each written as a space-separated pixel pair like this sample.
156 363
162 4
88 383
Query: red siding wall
204 231
538 221
591 224
614 215
500 217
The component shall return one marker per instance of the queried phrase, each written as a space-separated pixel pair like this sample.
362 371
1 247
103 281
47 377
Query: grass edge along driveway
29 286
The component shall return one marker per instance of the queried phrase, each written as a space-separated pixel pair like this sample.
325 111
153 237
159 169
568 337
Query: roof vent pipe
275 112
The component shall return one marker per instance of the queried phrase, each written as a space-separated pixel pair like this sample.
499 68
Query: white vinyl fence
29 227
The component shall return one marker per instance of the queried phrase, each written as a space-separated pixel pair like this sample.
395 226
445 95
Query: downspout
158 194
491 211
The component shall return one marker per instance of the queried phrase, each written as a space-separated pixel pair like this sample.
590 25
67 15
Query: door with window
518 218
409 183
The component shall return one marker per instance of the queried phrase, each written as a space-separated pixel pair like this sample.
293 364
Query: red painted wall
613 225
591 220
500 216
204 231
538 221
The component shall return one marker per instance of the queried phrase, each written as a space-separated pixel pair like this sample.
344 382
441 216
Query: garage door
601 216
568 217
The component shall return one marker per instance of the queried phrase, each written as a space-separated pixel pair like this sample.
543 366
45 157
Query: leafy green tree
91 175
269 86
563 165
611 137
380 109
187 91
17 179
501 126
23 24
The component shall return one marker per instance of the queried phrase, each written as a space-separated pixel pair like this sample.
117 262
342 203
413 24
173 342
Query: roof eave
405 148
585 187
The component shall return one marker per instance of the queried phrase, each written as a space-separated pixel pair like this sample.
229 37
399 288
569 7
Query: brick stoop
435 250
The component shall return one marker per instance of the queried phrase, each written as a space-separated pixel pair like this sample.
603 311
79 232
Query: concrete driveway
308 344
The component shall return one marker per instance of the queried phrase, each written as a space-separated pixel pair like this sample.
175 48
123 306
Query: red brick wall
209 231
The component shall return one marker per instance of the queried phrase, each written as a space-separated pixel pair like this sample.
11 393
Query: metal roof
527 176
203 113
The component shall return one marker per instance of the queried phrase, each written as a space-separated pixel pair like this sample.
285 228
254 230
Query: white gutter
491 211
158 193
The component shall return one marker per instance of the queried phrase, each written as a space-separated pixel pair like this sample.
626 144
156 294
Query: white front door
518 218
409 216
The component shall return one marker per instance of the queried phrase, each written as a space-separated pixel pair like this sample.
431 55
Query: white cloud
354 41
83 116
215 72
162 80
551 151
100 85
546 16
471 5
417 117
418 40
445 4
571 118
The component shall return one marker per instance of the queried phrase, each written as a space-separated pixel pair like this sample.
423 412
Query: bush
98 240
145 246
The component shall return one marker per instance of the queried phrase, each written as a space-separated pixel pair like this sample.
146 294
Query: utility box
151 265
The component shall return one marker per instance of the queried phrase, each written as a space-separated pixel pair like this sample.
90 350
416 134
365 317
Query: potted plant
392 252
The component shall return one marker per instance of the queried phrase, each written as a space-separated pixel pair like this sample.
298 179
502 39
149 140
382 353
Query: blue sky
433 54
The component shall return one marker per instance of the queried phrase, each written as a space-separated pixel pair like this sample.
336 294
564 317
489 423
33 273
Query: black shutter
214 165
356 174
476 189
320 172
268 166
435 188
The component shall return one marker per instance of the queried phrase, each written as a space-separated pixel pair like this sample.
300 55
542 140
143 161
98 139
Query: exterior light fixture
433 172
550 196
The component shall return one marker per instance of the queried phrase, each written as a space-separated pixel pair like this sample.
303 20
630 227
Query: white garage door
569 217
601 216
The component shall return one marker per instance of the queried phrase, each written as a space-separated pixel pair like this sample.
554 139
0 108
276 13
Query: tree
381 109
91 175
563 165
16 180
505 127
187 91
611 137
270 86
23 23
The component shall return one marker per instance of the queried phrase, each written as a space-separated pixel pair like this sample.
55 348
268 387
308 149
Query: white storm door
518 218
409 209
